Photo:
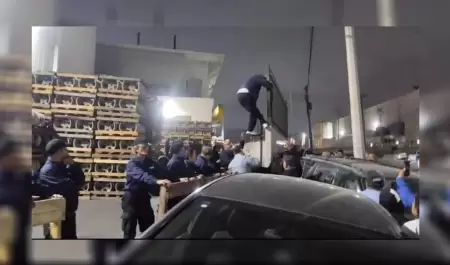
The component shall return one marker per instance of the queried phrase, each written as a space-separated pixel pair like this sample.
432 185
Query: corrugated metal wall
64 49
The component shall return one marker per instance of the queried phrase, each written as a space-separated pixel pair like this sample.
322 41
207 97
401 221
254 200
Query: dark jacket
391 201
255 83
203 166
141 177
66 180
292 172
16 194
225 158
178 168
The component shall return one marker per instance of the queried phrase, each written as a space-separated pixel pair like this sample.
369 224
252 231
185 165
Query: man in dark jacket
226 155
248 96
141 175
203 164
15 193
177 168
391 201
61 175
290 166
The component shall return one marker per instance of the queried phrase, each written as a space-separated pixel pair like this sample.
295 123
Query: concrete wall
173 71
64 49
265 148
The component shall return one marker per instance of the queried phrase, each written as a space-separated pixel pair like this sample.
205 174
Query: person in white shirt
375 183
241 162
414 225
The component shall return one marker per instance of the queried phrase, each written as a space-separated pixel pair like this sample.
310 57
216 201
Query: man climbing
248 96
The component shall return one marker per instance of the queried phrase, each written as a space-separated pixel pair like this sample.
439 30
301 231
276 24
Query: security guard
15 193
141 174
61 175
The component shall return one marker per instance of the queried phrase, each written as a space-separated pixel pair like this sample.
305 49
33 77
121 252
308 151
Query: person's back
375 183
242 163
372 194
254 84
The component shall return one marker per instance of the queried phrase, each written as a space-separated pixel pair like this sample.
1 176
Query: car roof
387 170
305 197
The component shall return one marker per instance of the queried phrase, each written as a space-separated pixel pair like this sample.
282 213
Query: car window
349 179
213 218
326 172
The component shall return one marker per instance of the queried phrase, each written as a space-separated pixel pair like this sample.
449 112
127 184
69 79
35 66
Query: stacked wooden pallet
42 94
193 131
72 108
116 125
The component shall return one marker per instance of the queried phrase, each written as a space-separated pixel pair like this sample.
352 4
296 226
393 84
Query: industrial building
395 121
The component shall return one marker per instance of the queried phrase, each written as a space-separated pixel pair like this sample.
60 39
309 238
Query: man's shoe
265 125
251 133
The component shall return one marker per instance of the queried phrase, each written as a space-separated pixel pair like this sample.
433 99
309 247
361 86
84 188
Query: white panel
163 69
77 50
73 47
44 41
200 109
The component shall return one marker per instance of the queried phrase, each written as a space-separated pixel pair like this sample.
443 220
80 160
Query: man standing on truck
248 96
141 175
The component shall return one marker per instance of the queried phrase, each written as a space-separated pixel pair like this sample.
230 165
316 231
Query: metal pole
386 13
354 93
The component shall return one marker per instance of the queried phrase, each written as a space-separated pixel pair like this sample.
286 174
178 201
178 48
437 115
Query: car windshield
214 218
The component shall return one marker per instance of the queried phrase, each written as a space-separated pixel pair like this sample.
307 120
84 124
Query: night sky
391 60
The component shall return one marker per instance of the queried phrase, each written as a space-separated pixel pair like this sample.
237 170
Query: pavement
96 219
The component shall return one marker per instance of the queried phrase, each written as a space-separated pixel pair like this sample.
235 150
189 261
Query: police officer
15 193
203 164
61 175
248 96
141 173
178 169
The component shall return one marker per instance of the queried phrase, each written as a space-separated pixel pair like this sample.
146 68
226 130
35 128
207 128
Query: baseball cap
54 146
375 179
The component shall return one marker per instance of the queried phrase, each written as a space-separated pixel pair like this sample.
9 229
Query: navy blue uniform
15 192
204 167
255 83
178 168
142 175
248 96
65 180
225 158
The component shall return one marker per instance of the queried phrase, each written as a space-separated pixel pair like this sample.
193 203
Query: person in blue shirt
141 176
406 194
248 96
375 184
60 175
203 164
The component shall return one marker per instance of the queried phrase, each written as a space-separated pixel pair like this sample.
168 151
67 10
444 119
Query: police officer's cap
54 146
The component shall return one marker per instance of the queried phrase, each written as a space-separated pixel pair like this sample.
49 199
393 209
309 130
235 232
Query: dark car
262 206
350 173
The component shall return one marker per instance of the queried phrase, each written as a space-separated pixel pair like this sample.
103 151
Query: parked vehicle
350 173
262 206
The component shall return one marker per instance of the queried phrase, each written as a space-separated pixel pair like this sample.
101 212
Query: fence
277 109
